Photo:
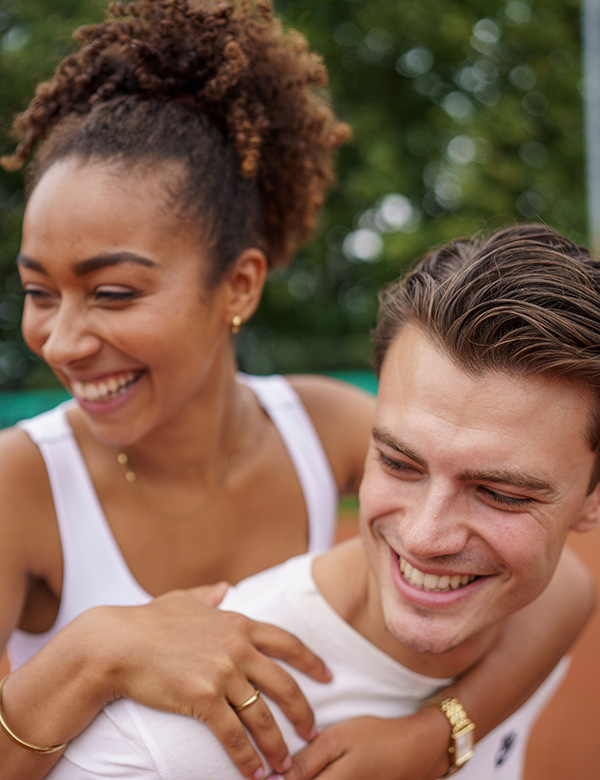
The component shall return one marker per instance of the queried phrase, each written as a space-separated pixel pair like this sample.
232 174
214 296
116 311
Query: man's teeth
104 390
431 581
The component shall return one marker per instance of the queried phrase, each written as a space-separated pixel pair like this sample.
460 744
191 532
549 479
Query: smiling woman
137 291
183 150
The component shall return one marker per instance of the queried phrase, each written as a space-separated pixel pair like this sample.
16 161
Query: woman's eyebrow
24 261
91 264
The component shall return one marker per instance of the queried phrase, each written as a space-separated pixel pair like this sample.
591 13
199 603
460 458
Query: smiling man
472 483
483 457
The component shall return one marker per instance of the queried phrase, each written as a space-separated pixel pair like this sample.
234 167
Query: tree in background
34 36
466 114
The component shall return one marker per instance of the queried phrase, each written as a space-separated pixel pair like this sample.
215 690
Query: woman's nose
70 339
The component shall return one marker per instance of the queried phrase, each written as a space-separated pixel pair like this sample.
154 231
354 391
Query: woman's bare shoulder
343 415
24 486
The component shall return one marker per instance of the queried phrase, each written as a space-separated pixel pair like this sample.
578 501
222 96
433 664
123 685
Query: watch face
463 745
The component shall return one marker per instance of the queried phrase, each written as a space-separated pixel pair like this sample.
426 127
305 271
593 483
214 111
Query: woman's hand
411 748
175 654
178 655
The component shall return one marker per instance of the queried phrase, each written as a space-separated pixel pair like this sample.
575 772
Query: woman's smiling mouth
105 389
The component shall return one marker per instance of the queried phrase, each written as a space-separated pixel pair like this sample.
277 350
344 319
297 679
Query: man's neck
343 578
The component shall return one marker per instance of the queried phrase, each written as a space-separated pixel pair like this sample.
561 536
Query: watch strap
460 724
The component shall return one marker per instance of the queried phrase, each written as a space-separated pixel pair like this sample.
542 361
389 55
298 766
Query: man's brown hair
524 299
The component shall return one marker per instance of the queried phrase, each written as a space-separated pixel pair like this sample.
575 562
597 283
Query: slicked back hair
524 300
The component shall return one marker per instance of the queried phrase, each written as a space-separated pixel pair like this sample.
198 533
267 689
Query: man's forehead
423 395
415 361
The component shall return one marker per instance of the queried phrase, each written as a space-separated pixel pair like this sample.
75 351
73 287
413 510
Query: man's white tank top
94 570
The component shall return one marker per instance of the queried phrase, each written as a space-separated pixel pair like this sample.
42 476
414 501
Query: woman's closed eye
37 294
116 294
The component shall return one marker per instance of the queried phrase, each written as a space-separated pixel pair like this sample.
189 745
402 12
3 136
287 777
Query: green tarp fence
27 403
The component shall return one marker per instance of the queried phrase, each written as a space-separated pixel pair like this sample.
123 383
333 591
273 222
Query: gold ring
255 696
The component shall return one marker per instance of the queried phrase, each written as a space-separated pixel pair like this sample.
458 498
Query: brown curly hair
221 87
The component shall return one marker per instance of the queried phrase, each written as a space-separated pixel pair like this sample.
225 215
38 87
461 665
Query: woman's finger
258 720
210 595
276 683
230 731
278 643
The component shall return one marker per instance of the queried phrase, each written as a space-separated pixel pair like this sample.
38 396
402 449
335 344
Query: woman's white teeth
431 581
104 390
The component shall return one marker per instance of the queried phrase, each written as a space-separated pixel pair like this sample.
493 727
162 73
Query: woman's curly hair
221 87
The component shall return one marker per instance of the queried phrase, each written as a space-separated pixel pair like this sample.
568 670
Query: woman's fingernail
286 764
313 732
259 774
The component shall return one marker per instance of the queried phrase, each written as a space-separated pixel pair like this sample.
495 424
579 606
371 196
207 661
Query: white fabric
132 742
95 571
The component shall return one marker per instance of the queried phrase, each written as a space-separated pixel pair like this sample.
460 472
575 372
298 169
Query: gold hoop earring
236 321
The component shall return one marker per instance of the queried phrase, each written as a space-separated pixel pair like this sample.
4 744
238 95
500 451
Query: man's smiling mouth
433 582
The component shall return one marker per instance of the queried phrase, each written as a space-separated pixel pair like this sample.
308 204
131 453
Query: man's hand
411 748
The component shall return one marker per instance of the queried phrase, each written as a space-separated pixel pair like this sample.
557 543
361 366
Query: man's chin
424 640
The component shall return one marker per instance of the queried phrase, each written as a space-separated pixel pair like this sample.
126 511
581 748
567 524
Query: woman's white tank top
94 570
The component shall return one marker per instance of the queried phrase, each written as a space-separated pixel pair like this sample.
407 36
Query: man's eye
396 465
510 502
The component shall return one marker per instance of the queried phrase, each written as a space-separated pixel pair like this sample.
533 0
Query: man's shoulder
260 592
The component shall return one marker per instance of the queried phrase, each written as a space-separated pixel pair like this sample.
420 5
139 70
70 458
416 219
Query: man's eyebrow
514 478
385 437
517 479
91 264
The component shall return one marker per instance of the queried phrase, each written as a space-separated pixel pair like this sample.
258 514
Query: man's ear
589 515
245 282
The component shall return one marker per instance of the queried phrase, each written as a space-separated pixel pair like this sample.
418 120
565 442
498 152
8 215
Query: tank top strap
285 408
94 570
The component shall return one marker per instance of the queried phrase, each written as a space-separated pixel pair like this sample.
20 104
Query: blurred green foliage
466 114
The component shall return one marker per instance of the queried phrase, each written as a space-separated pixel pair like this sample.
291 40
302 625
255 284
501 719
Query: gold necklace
131 477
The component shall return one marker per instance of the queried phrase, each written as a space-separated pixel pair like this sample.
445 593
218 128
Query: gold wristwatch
462 736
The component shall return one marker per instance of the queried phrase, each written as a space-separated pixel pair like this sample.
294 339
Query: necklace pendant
124 461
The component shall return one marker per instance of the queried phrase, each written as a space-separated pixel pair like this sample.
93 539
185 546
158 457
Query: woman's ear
245 284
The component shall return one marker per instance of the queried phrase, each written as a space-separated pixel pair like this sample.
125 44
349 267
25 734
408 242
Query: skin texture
179 422
481 476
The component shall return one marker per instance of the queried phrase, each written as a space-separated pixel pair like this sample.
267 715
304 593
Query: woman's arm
175 654
416 747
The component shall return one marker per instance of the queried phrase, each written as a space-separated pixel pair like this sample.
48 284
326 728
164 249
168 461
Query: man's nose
70 338
434 525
